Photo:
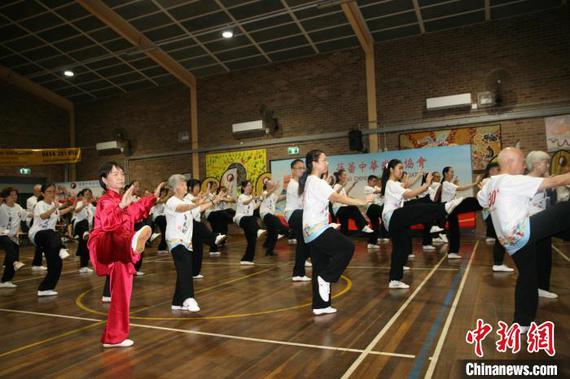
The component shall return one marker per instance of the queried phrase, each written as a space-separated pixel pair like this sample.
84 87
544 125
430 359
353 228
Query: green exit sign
293 150
25 171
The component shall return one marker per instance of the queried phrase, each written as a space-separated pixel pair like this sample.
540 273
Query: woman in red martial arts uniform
114 247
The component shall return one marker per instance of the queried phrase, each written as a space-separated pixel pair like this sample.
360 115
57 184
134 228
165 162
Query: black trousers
107 287
50 242
552 222
374 213
498 249
469 204
219 221
201 235
138 226
426 235
37 252
250 227
301 249
82 249
161 222
350 212
274 228
331 253
184 289
400 223
12 253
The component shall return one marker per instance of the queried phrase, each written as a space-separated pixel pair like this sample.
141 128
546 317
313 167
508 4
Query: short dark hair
372 177
296 161
244 184
104 170
192 183
7 191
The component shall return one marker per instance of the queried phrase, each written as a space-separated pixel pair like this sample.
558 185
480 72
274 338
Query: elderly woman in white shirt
11 215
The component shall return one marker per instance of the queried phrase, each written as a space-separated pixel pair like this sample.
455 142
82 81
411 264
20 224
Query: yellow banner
37 157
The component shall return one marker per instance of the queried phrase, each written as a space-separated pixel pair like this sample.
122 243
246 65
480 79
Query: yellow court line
49 339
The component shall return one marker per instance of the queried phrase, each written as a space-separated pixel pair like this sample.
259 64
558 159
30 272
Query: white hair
175 179
535 157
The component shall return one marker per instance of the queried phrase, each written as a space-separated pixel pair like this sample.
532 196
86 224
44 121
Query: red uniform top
110 240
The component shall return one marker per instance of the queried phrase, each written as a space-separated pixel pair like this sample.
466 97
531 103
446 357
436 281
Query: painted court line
561 253
219 335
439 346
389 324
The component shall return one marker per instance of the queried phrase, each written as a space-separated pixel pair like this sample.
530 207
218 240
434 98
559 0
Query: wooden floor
256 323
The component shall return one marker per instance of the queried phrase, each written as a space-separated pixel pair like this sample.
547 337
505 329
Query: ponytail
312 156
437 197
386 173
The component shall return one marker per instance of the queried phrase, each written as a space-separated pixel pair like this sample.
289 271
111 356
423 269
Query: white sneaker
489 241
86 235
125 343
63 253
406 268
451 205
334 225
384 240
221 238
547 294
85 270
324 311
502 268
367 229
154 236
199 276
260 232
397 284
308 264
279 236
8 284
437 241
436 229
191 305
411 256
215 253
47 293
301 279
162 252
443 238
292 241
39 268
18 265
106 299
428 248
177 307
453 256
246 263
140 238
373 246
139 273
324 289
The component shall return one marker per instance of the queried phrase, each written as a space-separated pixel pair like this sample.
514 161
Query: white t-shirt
10 220
179 225
192 199
432 190
562 193
316 207
242 209
157 210
337 206
293 201
30 204
448 191
39 224
86 213
378 199
393 199
268 204
538 203
485 212
508 199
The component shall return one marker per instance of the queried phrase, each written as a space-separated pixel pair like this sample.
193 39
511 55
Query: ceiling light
68 73
228 33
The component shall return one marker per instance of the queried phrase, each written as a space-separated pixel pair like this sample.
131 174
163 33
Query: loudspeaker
355 140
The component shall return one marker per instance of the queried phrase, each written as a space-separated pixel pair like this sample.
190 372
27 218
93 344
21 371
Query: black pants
274 228
552 222
161 222
469 204
374 213
330 253
82 250
498 249
50 242
250 227
12 253
184 285
301 249
544 262
350 212
138 226
200 236
37 252
219 221
107 287
400 223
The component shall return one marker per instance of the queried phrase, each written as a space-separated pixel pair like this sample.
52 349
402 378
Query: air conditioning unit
250 128
112 147
447 102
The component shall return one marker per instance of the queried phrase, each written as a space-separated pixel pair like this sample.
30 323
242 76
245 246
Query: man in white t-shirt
508 197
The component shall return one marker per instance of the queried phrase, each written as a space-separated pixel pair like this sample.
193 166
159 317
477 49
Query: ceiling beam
27 85
419 16
487 10
122 27
359 25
